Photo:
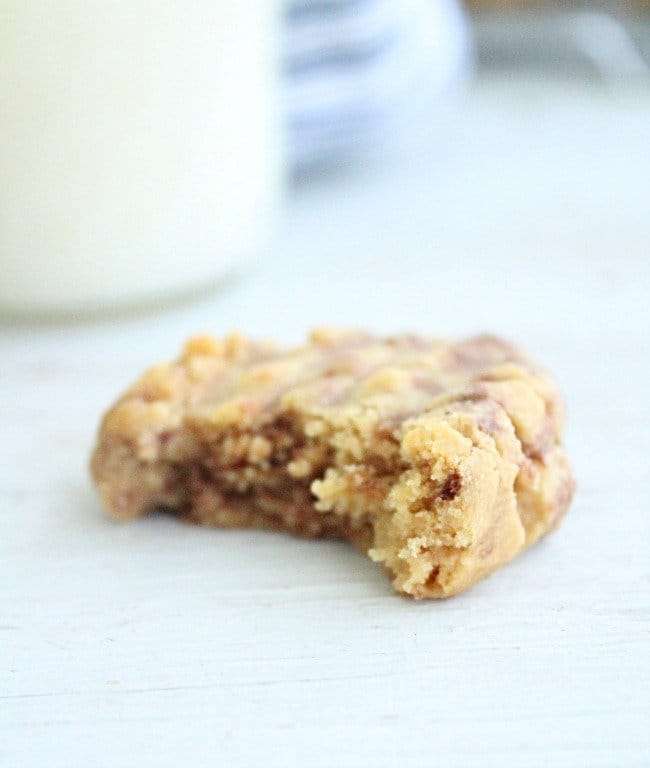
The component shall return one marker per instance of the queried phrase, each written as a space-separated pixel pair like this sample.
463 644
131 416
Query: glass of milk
139 152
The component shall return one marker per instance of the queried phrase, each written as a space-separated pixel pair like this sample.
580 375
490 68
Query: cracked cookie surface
440 460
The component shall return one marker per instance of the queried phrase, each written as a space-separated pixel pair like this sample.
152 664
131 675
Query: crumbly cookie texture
440 460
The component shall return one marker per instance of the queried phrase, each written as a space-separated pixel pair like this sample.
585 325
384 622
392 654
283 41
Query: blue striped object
358 69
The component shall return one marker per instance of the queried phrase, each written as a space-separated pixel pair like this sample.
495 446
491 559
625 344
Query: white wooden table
156 644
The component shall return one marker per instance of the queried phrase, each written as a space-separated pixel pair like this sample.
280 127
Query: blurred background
373 64
151 152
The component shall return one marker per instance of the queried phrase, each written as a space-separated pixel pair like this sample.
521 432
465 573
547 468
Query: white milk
138 147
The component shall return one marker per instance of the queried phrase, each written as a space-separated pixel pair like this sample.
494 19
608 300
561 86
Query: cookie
442 461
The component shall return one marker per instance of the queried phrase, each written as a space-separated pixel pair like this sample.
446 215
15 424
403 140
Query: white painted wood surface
156 644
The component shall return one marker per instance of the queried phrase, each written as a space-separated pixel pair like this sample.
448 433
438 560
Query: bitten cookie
442 461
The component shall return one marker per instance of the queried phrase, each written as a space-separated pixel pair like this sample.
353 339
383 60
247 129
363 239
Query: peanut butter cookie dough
442 461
